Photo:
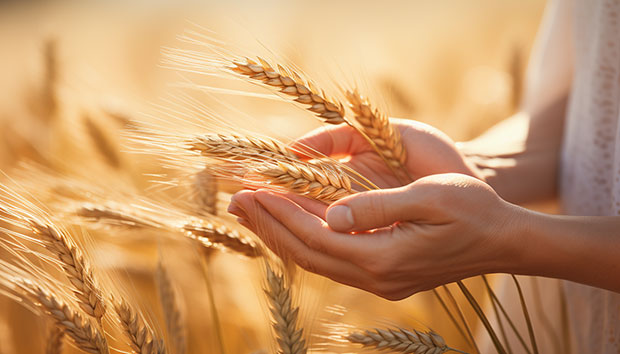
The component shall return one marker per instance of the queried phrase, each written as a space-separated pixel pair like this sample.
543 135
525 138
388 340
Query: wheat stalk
210 233
53 344
205 192
291 83
235 147
101 142
108 213
285 315
142 338
82 331
76 268
386 138
172 314
318 181
400 340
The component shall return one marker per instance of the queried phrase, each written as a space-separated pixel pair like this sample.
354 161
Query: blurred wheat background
73 75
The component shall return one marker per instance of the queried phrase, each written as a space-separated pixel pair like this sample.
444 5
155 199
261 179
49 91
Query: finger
284 243
313 206
312 230
373 209
333 141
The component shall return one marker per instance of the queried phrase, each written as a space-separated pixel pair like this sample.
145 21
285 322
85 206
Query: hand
434 231
429 151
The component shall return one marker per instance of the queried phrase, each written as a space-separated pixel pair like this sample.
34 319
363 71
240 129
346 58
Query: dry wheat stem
102 142
84 333
75 267
53 344
318 181
235 147
289 337
174 319
401 340
386 138
205 192
210 233
291 83
142 339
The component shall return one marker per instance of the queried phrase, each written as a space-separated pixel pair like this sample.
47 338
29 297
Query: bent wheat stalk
142 339
285 315
235 147
83 332
211 233
313 180
75 267
291 83
386 138
402 341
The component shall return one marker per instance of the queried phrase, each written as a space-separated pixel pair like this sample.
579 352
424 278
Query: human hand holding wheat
428 151
434 231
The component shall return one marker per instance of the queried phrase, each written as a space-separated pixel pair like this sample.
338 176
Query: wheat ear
291 83
386 138
205 192
53 344
174 319
318 181
75 267
210 233
109 214
142 338
84 333
285 315
235 147
400 340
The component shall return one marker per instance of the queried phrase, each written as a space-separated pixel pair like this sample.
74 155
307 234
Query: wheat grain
53 344
290 339
75 267
205 192
376 125
235 147
291 83
401 340
174 319
210 233
82 331
142 338
318 181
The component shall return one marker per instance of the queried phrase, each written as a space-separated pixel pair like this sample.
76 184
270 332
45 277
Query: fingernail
340 218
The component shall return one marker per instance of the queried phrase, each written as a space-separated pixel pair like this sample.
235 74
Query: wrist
518 240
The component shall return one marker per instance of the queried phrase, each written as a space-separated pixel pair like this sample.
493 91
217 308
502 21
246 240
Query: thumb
371 210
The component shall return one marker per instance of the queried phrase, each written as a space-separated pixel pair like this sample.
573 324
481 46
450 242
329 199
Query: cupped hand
392 242
429 151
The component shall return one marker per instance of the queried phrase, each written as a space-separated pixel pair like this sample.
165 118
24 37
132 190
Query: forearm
583 249
519 157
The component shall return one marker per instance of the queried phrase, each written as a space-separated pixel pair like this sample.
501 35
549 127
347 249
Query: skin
453 222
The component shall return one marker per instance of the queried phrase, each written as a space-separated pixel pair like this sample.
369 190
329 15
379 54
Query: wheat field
122 139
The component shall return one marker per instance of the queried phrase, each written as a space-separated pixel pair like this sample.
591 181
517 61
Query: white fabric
578 49
590 173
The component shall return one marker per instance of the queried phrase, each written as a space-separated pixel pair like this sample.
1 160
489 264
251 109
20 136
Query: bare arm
519 157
